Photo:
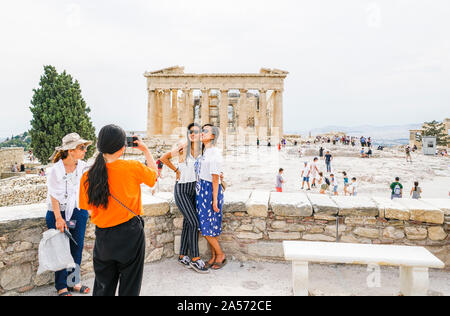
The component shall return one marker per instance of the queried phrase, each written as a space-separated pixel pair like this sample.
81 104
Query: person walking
408 154
353 189
280 181
64 209
314 172
184 193
328 158
111 190
416 191
346 183
209 197
396 189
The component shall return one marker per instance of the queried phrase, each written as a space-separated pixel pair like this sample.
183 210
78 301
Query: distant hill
387 132
23 140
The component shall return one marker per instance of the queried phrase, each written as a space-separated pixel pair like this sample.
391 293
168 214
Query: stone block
16 276
355 206
154 206
155 255
290 204
423 212
371 233
393 233
249 235
266 249
236 201
258 204
318 237
323 204
416 233
284 236
437 233
392 209
281 225
360 221
442 204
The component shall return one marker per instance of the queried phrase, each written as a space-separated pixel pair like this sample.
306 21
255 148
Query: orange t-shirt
124 178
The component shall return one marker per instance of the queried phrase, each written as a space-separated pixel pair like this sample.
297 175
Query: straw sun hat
71 141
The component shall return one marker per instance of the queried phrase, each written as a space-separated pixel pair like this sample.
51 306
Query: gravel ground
168 278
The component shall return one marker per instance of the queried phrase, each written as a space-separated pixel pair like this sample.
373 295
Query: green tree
58 109
437 129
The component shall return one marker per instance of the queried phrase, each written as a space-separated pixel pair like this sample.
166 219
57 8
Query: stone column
151 117
243 111
166 123
158 116
204 112
278 114
263 115
223 112
174 113
186 113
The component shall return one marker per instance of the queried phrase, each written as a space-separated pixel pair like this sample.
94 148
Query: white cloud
358 61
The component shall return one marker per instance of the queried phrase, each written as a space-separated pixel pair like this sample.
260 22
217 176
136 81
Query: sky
350 62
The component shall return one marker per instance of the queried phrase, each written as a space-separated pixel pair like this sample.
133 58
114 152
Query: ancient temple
245 106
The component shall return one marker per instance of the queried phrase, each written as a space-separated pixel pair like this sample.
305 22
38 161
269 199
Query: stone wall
9 156
254 226
22 190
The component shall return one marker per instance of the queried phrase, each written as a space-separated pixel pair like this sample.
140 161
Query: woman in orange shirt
111 190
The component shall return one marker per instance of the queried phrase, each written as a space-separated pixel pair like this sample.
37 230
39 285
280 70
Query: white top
65 187
306 170
210 163
353 185
360 254
187 170
334 181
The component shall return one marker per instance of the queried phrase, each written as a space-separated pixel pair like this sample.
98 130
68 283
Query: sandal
82 290
219 265
67 293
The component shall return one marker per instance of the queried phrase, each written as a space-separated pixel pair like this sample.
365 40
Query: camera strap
140 219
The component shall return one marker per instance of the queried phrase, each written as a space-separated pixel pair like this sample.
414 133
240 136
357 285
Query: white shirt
355 186
210 163
306 171
334 181
313 168
65 187
187 170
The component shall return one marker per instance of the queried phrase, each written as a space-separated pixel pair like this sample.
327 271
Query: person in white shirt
305 175
209 197
353 189
186 180
314 172
63 183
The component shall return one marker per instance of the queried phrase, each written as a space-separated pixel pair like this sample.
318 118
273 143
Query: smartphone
130 141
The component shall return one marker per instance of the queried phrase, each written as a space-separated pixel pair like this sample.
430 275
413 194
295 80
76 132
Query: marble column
151 117
243 111
174 112
223 113
186 110
204 112
166 123
158 116
278 114
263 115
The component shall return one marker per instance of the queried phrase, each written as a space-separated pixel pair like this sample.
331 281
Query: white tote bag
54 252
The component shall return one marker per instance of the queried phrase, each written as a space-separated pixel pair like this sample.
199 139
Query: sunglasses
82 147
205 130
196 132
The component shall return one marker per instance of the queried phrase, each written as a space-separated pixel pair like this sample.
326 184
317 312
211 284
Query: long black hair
215 131
111 139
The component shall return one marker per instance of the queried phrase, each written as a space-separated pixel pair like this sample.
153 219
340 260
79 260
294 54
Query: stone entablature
255 224
171 104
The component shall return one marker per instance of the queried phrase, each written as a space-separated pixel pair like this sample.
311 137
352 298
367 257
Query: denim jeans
81 216
328 166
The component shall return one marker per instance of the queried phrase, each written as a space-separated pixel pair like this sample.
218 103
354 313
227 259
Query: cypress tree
58 109
437 129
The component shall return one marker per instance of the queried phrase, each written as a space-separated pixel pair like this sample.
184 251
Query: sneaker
185 262
199 266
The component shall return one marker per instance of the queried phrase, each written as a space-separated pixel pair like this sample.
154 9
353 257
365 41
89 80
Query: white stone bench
414 262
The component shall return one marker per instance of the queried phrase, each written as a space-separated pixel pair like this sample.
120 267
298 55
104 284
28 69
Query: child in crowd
334 184
280 181
353 189
346 184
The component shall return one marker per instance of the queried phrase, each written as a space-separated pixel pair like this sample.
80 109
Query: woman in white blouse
184 193
63 183
209 197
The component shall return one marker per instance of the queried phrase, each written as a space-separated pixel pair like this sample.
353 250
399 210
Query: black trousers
185 201
119 254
